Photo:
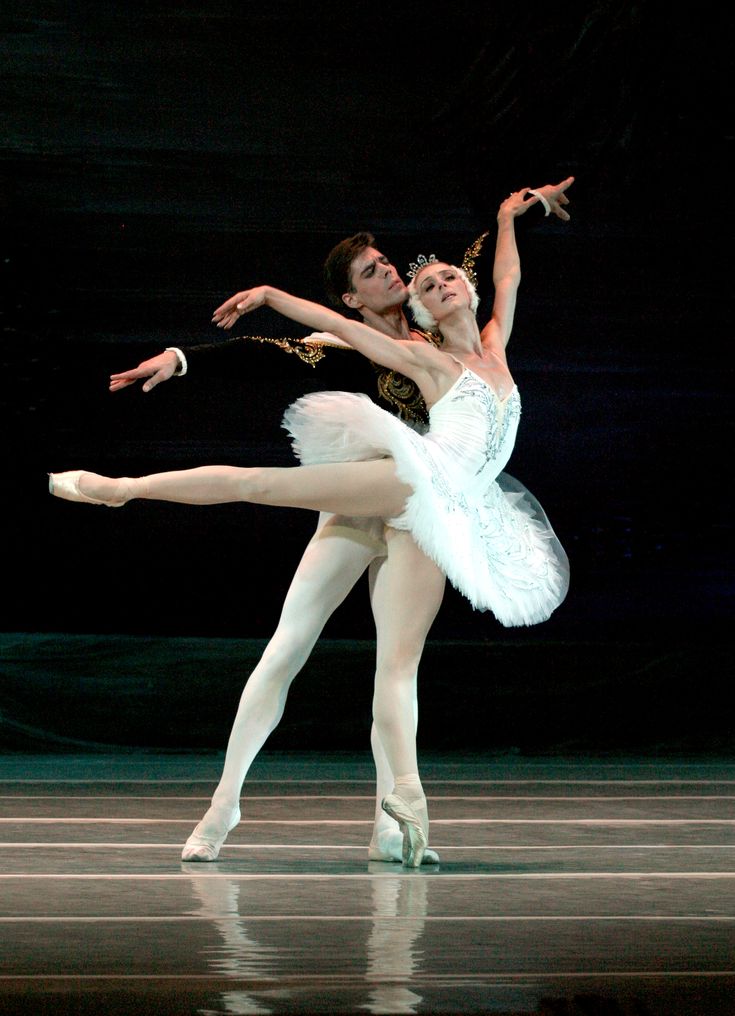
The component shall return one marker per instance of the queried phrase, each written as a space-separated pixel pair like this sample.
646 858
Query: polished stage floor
566 886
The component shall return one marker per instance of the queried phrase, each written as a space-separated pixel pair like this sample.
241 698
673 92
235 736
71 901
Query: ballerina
446 487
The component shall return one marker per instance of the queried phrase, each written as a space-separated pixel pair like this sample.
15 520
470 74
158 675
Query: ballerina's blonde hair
419 312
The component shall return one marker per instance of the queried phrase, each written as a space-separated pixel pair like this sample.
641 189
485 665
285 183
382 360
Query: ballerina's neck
490 368
461 336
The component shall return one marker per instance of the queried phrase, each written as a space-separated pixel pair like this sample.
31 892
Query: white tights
334 559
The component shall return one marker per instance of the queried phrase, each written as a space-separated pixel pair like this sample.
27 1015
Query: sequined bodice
473 430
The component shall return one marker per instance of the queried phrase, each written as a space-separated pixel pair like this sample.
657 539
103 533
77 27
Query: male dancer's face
376 284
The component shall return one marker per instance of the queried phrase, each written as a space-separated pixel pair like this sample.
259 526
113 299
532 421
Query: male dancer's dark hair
337 278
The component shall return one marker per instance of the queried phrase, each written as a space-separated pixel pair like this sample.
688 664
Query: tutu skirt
494 542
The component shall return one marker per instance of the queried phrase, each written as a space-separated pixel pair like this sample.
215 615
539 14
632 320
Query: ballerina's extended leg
368 489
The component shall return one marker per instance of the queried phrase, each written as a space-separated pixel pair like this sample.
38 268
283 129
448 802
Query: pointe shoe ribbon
66 486
414 836
206 848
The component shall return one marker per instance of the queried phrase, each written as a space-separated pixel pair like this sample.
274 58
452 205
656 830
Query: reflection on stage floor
564 886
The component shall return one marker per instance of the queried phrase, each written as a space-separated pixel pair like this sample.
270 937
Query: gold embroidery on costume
403 393
308 350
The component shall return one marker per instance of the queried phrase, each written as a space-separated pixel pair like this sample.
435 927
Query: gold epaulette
308 350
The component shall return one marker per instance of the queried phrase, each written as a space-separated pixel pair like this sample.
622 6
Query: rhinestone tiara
421 262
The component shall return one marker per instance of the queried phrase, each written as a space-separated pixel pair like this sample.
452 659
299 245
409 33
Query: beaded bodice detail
475 430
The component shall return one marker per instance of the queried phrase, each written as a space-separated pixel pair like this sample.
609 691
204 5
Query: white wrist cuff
183 365
542 199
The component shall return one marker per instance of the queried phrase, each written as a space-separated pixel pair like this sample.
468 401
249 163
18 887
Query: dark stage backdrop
157 158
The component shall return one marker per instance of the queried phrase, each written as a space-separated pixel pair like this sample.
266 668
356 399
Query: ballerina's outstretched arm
417 360
368 489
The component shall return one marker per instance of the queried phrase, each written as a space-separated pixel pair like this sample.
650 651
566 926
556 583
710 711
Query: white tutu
486 532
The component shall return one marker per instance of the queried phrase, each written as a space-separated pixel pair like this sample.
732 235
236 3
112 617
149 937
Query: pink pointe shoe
414 834
387 845
205 842
66 486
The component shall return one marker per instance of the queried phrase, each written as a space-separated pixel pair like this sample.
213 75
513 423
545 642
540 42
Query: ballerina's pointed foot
388 846
112 493
415 838
205 842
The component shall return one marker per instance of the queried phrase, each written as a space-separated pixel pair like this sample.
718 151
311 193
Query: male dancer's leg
334 559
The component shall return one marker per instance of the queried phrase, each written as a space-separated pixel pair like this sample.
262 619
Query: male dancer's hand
158 368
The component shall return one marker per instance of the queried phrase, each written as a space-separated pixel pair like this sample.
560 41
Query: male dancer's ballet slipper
200 847
66 486
414 836
383 851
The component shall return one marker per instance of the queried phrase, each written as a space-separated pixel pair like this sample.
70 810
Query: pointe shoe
414 836
200 847
389 848
66 486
